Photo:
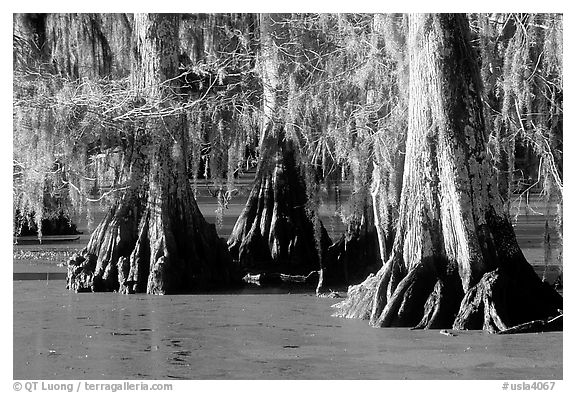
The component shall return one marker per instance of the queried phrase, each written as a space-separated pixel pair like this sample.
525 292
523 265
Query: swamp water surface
63 335
254 334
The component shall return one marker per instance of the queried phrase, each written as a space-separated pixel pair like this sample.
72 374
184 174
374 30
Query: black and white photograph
211 196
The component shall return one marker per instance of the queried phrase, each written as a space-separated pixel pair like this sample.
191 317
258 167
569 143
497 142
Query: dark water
64 335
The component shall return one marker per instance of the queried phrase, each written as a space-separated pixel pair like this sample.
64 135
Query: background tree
48 50
339 81
364 129
219 52
278 230
455 260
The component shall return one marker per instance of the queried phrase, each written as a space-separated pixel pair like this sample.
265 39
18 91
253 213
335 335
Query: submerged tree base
502 302
165 253
95 268
278 232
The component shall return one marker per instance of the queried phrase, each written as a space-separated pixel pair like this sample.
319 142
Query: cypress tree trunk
275 232
165 246
455 261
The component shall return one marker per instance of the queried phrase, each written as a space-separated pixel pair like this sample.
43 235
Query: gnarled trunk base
504 301
275 232
165 254
95 268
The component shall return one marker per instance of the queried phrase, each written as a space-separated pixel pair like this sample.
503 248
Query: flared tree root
503 301
276 232
95 269
166 254
358 303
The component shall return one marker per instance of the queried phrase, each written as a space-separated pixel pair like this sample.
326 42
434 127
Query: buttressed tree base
155 240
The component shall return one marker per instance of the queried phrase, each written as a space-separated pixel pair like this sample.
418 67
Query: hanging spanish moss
54 86
348 104
521 57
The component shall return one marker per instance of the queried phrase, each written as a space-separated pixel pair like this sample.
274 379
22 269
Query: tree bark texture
277 231
165 246
455 262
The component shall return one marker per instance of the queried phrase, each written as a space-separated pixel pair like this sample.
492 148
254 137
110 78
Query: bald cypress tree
455 261
327 98
108 87
278 230
160 243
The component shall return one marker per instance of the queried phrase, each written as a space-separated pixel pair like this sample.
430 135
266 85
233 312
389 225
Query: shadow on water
48 276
